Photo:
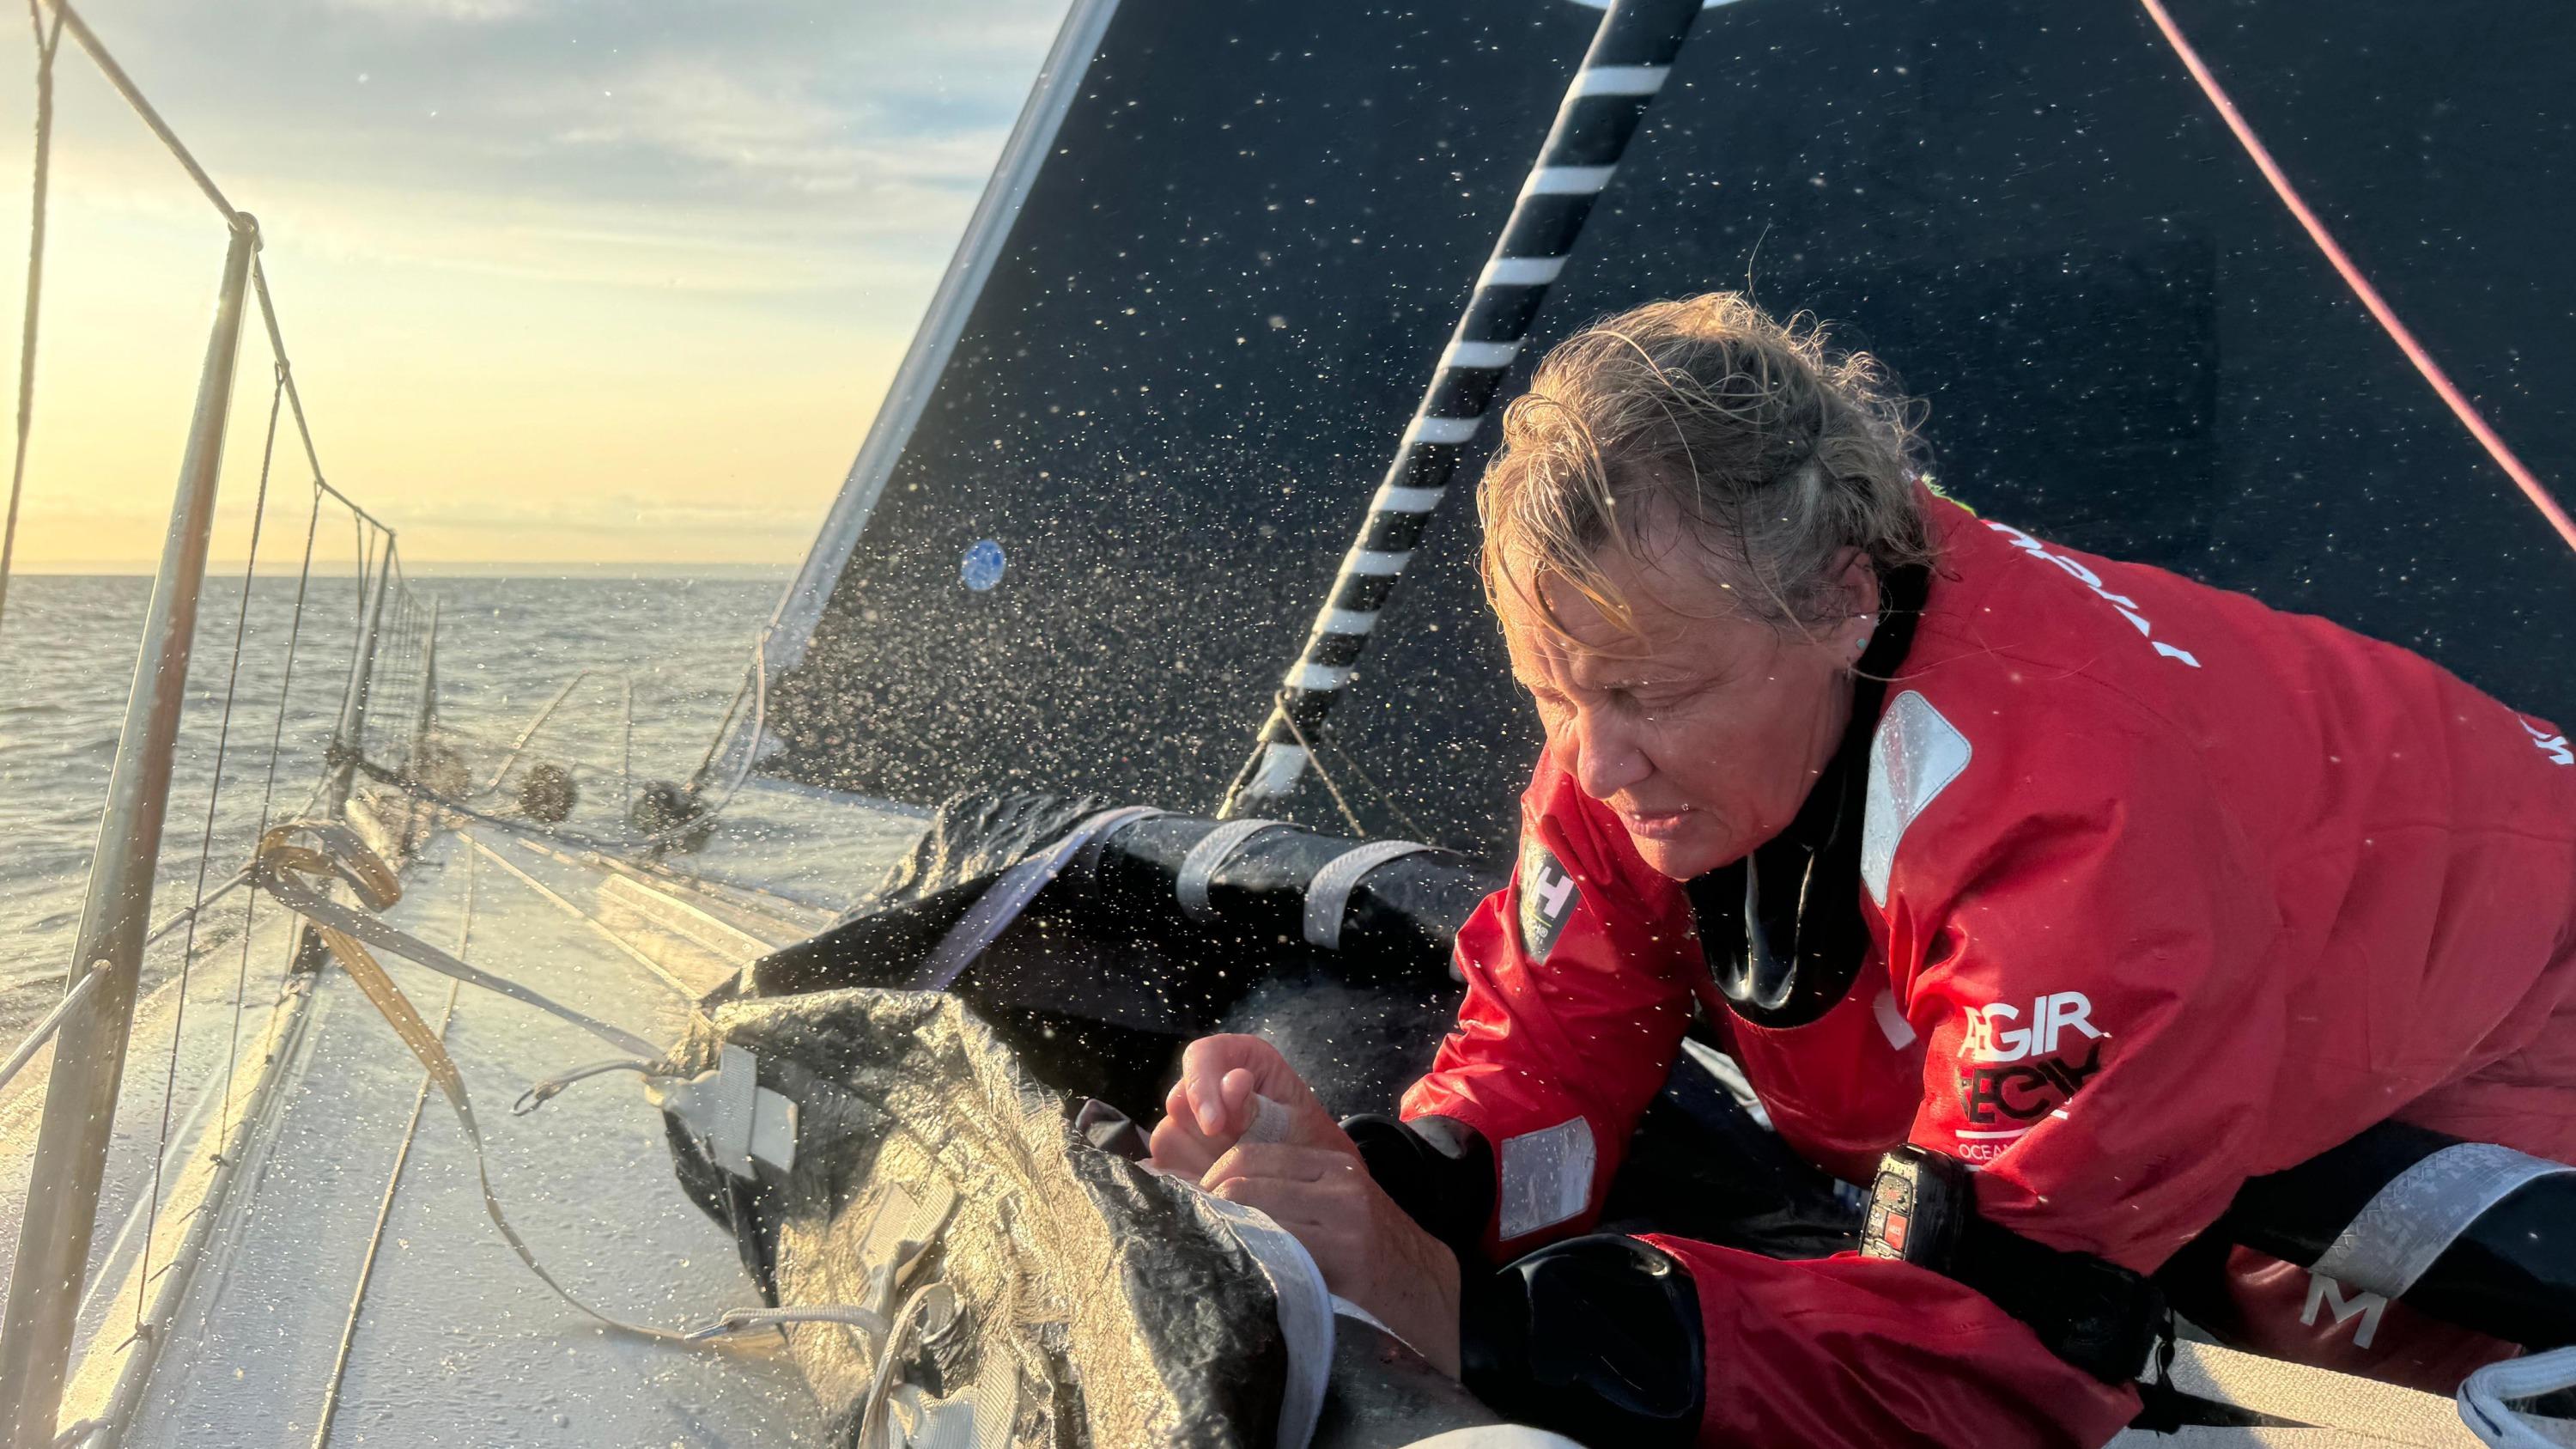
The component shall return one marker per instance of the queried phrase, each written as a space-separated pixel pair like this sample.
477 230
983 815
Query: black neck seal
1781 928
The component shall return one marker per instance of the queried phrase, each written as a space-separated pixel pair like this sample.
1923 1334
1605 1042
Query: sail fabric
1095 1303
1166 410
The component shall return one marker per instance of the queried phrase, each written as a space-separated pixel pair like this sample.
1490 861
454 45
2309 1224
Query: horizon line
437 568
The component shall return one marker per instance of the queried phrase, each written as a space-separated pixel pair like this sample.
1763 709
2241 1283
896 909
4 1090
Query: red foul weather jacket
2164 889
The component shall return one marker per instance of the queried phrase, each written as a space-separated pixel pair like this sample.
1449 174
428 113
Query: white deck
454 1341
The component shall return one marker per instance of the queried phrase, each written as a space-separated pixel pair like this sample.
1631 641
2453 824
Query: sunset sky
589 281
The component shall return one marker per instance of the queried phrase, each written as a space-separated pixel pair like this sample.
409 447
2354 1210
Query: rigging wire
268 789
364 544
205 858
1350 760
241 985
1279 702
46 41
2377 305
124 84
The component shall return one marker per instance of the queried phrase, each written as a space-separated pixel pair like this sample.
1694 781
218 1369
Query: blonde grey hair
1777 452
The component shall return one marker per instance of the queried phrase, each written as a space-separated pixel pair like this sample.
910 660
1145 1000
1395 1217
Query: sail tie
297 874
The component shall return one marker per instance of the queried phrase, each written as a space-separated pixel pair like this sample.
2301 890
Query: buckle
1919 1208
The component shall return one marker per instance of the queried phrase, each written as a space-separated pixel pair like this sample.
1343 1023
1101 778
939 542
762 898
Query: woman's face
1705 735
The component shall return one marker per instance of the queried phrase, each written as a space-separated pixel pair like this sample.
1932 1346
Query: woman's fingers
1236 1092
1211 1064
1224 1078
1279 1162
1177 1144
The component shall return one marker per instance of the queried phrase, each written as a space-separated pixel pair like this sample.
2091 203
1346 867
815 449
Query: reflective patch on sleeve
1915 757
1891 1021
1547 1176
1548 898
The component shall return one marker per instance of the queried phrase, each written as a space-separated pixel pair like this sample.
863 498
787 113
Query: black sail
1241 250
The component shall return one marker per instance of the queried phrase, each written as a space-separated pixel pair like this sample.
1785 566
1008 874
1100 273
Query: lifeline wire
205 857
2443 387
276 740
241 982
46 41
124 86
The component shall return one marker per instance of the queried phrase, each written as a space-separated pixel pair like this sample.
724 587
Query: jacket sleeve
1577 997
2097 1046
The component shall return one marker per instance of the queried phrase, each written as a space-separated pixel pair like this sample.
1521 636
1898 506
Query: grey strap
1199 867
1003 900
2398 1234
1328 895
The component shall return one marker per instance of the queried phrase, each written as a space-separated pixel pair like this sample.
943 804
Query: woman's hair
1773 450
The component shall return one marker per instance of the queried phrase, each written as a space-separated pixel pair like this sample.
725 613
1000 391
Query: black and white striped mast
1631 55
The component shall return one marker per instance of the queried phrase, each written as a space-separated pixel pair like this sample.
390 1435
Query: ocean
505 647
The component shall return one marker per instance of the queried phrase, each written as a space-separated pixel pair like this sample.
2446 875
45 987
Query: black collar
1781 929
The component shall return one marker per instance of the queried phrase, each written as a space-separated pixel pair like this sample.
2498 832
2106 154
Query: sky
601 282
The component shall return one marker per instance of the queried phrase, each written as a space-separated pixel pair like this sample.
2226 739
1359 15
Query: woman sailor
2090 890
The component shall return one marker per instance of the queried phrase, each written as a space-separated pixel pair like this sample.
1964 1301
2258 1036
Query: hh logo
2326 1293
1548 898
2554 746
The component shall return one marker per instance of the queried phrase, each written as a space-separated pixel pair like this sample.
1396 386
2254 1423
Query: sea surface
505 647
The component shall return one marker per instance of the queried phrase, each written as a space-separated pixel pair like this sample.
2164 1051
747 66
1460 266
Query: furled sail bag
954 1053
1016 1284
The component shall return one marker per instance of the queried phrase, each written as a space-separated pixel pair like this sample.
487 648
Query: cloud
467 12
543 514
461 131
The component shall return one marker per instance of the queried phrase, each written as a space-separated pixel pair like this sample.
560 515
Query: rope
46 41
205 858
553 1087
881 1383
2377 305
1383 795
744 1320
1280 702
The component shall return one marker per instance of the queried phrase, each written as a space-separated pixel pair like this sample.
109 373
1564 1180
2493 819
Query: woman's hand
1370 1251
1213 1105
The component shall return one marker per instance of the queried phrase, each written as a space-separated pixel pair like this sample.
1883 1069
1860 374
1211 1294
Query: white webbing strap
1328 895
1305 1309
1199 867
2488 1397
2363 1408
2401 1231
1004 900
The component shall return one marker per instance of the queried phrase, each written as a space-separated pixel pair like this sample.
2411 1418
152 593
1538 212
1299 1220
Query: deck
350 1274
